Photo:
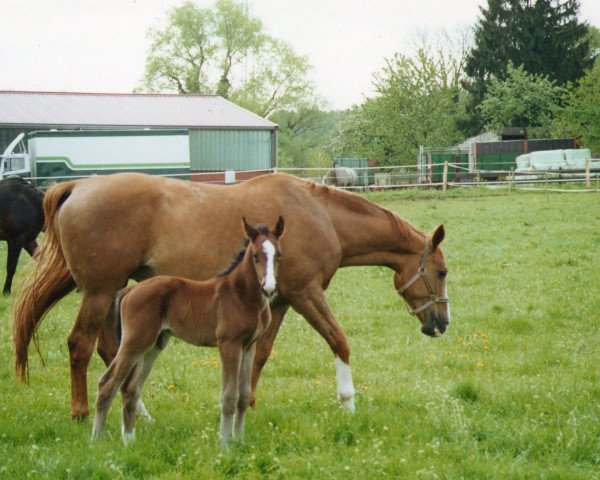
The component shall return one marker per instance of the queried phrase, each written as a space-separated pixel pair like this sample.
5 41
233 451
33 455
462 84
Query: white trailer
56 155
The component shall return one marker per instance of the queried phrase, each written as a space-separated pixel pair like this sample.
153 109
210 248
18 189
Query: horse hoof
143 412
79 417
347 403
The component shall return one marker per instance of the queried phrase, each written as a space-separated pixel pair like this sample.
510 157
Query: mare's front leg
231 353
313 306
264 345
91 317
244 389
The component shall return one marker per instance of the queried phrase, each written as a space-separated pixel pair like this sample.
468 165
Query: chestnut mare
230 311
104 230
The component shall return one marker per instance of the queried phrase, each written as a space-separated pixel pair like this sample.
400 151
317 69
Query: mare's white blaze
345 386
447 304
269 249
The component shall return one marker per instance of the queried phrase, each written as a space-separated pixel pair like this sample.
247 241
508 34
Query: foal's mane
239 255
362 205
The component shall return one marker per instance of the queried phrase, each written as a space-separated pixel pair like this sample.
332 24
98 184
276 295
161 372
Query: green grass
512 391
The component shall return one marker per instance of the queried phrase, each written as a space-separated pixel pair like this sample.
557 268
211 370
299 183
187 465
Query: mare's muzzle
435 325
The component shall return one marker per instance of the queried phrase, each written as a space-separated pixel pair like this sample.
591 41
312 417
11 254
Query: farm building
222 135
488 154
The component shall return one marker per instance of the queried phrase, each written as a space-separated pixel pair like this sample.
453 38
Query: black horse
21 219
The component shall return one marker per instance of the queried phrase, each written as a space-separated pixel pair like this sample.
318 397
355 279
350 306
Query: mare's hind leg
314 308
243 389
91 317
230 359
14 250
264 345
108 344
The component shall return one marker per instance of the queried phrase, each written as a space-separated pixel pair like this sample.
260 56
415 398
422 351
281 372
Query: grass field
512 391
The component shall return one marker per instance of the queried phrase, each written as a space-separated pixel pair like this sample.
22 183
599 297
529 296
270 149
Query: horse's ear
278 230
251 232
438 237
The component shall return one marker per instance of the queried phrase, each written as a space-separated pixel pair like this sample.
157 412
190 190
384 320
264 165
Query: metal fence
443 177
459 175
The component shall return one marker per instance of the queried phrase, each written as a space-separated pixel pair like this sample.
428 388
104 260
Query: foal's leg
316 311
131 390
107 349
243 389
130 395
264 345
231 353
108 387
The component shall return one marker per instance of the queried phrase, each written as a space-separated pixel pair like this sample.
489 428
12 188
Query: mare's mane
239 255
362 205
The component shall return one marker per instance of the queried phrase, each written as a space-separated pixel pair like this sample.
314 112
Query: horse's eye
278 254
255 257
442 274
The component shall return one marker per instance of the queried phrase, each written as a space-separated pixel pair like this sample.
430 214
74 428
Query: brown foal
230 311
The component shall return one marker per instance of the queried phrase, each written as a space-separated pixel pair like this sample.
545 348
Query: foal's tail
50 282
116 311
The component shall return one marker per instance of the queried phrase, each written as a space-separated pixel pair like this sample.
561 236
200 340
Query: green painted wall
231 150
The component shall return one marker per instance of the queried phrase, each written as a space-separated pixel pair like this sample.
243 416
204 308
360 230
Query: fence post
510 178
366 174
445 177
587 174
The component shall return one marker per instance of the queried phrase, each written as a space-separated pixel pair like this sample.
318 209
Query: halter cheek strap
421 273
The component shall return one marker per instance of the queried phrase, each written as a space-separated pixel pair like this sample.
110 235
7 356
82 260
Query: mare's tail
50 282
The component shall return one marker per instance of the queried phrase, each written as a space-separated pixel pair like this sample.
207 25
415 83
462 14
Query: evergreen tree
544 36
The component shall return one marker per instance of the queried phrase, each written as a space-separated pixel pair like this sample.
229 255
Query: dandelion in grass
170 387
479 365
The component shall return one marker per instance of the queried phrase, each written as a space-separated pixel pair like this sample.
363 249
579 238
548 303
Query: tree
225 51
580 117
278 81
418 102
544 36
304 136
523 100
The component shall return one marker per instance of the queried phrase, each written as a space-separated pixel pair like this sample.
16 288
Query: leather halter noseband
421 273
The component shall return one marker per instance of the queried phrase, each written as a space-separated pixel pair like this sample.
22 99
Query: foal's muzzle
268 292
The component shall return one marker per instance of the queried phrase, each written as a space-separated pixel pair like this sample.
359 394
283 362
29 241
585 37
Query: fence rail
417 176
443 176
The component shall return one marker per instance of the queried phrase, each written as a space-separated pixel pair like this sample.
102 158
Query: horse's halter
421 273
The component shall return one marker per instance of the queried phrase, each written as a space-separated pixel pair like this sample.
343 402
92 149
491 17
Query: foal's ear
251 232
278 230
438 237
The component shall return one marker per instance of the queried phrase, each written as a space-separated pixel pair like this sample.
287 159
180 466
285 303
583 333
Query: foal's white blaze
269 284
345 386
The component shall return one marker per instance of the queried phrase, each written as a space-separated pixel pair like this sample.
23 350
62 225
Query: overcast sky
101 45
